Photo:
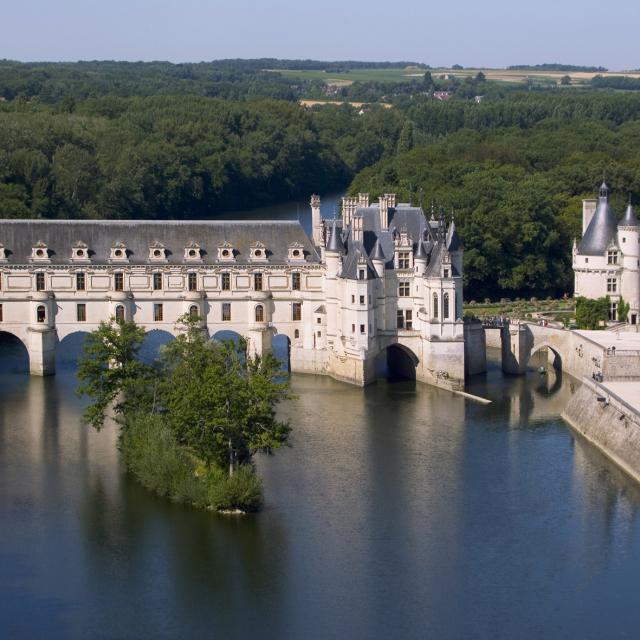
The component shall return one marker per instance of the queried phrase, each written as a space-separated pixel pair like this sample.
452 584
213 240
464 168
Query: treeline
516 195
555 66
615 82
178 157
52 82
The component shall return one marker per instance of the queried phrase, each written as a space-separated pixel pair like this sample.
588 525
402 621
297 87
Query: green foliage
110 372
623 310
218 400
516 194
592 313
151 453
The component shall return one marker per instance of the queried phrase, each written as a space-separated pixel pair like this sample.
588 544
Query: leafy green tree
592 313
565 81
623 310
219 401
110 372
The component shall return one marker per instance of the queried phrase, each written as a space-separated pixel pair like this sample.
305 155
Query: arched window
435 305
194 312
119 314
259 313
296 333
41 314
445 306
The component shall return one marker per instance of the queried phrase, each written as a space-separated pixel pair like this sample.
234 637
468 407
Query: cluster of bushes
152 454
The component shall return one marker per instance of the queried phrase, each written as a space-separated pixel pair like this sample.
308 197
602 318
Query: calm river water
399 511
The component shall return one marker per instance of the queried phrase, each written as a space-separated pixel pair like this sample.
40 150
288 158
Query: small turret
334 243
420 258
377 258
629 219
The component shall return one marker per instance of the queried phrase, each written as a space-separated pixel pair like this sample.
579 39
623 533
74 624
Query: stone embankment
608 415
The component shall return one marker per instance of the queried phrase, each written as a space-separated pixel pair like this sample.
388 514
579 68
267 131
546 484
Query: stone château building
606 262
382 278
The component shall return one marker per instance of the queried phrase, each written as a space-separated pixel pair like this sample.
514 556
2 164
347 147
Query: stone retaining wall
607 422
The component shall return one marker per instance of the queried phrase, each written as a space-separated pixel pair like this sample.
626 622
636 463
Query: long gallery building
383 280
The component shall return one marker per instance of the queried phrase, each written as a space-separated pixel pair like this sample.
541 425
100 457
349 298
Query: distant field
414 73
357 105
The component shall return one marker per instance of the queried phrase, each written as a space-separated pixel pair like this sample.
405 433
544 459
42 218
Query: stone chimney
383 205
363 200
349 206
391 199
317 230
588 209
357 232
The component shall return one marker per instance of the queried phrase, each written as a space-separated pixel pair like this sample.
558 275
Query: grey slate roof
376 241
602 229
335 239
629 219
19 236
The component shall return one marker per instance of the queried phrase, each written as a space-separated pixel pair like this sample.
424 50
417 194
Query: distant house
478 99
443 96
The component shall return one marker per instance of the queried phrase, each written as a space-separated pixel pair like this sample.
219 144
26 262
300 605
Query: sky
480 33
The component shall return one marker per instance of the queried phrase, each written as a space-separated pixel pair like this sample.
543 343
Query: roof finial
604 190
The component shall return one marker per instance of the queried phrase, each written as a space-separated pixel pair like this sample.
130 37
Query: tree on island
200 407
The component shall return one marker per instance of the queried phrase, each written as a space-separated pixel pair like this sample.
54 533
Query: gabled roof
602 229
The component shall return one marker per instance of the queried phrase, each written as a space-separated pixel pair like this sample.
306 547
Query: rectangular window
353 328
295 281
226 312
353 299
192 281
118 281
612 257
257 281
81 312
158 313
319 334
80 281
408 319
297 311
445 273
157 281
404 260
361 274
319 320
39 281
226 281
361 299
362 329
613 311
400 319
1 316
612 285
404 289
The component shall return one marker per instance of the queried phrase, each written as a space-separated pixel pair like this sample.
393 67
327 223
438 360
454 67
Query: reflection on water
398 511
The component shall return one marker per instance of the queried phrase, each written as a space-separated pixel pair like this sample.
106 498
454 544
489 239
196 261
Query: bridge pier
516 348
42 351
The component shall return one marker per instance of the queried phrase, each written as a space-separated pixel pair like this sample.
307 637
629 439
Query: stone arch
397 362
281 349
14 353
227 334
69 349
153 342
555 356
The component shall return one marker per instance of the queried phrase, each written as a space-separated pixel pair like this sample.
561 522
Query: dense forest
156 140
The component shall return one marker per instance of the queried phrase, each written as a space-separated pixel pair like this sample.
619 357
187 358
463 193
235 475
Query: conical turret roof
453 243
420 253
602 229
376 252
335 241
629 219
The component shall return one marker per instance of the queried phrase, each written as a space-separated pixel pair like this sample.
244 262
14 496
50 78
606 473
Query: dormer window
119 252
258 252
225 252
192 253
404 260
39 252
612 256
80 252
296 252
157 252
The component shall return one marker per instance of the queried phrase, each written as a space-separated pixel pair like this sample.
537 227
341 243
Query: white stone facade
606 262
384 275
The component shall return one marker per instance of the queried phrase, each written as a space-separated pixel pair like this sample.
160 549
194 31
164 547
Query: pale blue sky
467 32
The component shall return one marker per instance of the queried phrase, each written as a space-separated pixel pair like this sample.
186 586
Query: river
399 511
